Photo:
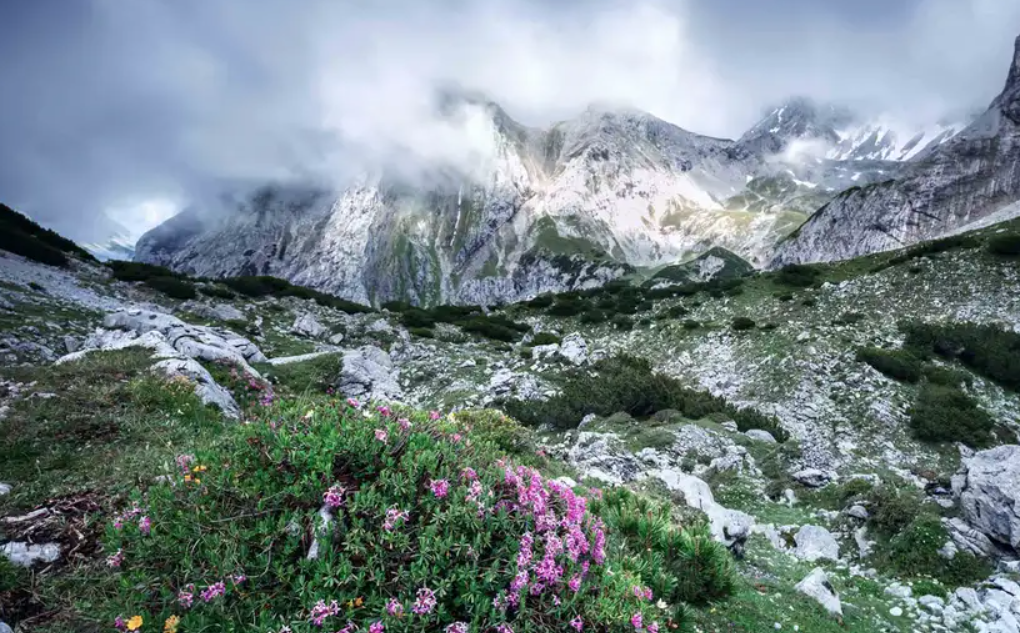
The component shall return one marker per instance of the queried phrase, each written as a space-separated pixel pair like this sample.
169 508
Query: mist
122 113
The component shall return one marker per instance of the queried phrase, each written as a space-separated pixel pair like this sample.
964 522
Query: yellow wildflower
134 623
171 624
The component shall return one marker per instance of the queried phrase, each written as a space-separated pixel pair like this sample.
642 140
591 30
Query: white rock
5 489
932 603
816 585
728 526
812 477
321 531
858 512
308 326
814 543
990 495
761 436
25 555
574 349
287 360
896 612
968 598
368 373
730 426
336 339
898 590
206 388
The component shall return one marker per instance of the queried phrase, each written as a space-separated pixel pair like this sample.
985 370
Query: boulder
761 436
731 527
26 555
219 311
990 494
300 358
858 512
815 543
574 349
308 326
812 477
368 373
5 489
816 585
206 387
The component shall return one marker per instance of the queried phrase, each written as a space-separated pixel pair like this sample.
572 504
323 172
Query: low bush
593 316
914 552
897 364
417 318
266 286
988 350
497 329
545 338
172 287
809 302
628 384
784 296
622 322
740 324
137 271
421 332
396 306
947 414
691 324
541 301
568 306
217 291
677 311
892 509
797 275
1005 245
426 532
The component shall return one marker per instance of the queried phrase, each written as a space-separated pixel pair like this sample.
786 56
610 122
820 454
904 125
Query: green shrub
593 316
396 306
892 509
492 328
418 515
217 291
1005 245
568 306
266 286
137 271
622 322
417 318
628 384
740 324
691 324
947 414
677 311
680 566
455 314
784 296
988 350
545 338
897 364
914 552
526 353
541 301
38 287
421 332
809 302
849 318
797 275
946 376
172 287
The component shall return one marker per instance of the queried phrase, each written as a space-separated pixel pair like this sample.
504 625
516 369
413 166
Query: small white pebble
896 612
777 626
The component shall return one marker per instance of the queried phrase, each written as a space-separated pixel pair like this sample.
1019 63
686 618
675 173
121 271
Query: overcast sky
133 108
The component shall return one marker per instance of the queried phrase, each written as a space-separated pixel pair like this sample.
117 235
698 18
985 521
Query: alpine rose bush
333 516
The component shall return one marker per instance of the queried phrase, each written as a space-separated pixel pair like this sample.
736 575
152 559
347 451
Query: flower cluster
394 608
116 559
439 487
334 497
321 611
393 516
425 602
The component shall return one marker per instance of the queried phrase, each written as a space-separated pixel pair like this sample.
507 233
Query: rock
308 326
898 590
968 599
5 629
761 436
932 603
336 339
858 512
814 543
5 489
587 420
1007 585
71 344
971 540
816 585
730 527
220 311
990 494
325 523
574 349
25 555
368 373
896 612
506 383
379 326
812 477
206 388
949 550
602 456
730 426
287 360
790 497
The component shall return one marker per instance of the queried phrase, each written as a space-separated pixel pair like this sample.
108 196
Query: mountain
118 246
571 206
973 176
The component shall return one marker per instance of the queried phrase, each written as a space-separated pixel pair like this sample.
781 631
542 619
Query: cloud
156 104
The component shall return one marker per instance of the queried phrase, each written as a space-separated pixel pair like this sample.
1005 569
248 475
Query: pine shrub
545 338
740 324
897 364
1005 245
988 350
172 287
947 414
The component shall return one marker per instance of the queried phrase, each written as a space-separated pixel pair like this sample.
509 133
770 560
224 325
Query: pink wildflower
595 492
376 627
321 611
404 423
425 602
213 591
116 559
434 415
440 487
350 628
184 462
239 578
556 601
648 594
119 624
636 621
457 627
456 438
652 628
351 402
334 497
145 525
186 596
383 411
381 435
393 515
469 474
577 623
394 608
504 628
575 583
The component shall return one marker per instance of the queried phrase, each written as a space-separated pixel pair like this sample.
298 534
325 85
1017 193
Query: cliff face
970 177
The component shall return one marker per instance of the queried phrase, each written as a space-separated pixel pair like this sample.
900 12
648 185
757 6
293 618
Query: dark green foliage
986 349
680 566
541 301
217 291
545 338
593 316
1005 245
628 384
897 364
622 322
36 286
455 314
417 318
568 306
421 332
396 306
740 324
495 328
914 552
22 236
264 286
784 296
677 311
849 318
809 302
798 275
892 509
947 414
137 271
691 324
172 287
946 376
